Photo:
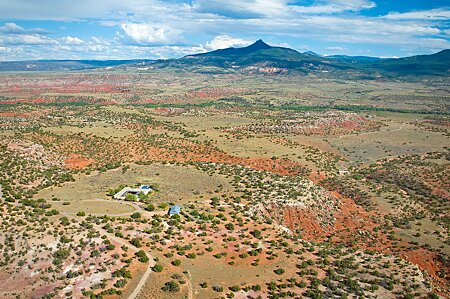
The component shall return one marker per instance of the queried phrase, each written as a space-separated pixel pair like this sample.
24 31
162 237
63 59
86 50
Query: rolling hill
435 64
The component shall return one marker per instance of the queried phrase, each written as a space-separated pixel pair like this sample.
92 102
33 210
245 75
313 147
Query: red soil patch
352 215
40 100
13 114
15 101
305 219
161 110
427 260
350 218
201 94
77 161
354 226
317 177
185 151
424 259
348 124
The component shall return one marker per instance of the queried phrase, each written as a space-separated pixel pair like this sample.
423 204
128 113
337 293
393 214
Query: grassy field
95 128
95 207
175 184
396 139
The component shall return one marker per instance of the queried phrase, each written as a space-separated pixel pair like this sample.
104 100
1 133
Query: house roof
145 189
174 209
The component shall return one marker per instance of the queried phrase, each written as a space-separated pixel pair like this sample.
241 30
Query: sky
152 29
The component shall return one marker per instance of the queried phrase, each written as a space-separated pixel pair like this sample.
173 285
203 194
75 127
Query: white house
144 189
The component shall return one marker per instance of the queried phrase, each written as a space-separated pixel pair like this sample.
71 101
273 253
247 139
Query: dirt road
123 242
151 262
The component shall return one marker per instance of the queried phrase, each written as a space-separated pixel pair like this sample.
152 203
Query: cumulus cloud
13 34
225 41
26 39
73 40
13 28
147 34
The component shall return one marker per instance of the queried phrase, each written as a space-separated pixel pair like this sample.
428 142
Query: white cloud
13 34
13 28
433 14
73 40
242 9
57 10
225 41
276 8
92 50
109 23
336 49
147 34
110 11
96 40
334 6
365 27
26 39
337 28
101 10
5 49
338 21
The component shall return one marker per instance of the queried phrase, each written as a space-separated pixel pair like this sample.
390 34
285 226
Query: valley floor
288 187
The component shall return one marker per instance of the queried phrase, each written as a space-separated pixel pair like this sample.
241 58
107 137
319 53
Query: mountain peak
255 47
259 44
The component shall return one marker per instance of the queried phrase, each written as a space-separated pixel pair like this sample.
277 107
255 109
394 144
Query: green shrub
142 256
157 268
171 286
176 262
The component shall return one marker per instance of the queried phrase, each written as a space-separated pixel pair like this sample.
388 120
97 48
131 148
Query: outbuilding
174 210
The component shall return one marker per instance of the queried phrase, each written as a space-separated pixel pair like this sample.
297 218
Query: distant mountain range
259 58
65 65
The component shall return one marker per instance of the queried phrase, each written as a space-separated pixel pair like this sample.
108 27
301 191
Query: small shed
174 210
